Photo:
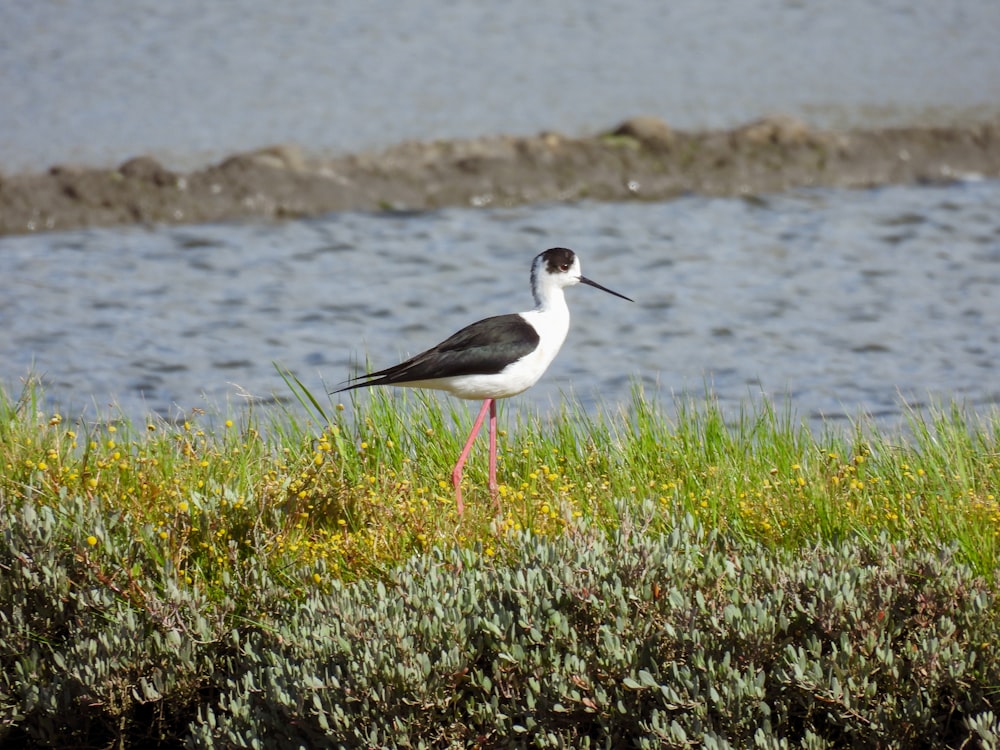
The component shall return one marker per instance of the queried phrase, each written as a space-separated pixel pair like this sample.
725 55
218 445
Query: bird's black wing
483 348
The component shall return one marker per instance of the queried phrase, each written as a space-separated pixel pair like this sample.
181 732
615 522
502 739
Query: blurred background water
841 302
189 81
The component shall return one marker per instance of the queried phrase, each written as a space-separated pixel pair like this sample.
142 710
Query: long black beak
588 282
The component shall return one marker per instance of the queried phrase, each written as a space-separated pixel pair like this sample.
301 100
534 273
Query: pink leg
493 453
456 474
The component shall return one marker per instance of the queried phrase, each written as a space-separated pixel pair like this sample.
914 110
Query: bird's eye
564 267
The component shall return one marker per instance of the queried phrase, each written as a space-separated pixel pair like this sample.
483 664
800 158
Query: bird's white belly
552 326
513 379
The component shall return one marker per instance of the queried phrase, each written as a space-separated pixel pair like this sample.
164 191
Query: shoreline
640 159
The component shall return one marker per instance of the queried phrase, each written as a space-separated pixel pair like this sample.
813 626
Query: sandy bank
642 159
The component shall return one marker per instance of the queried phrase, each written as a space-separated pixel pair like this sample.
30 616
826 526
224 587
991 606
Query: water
190 81
836 302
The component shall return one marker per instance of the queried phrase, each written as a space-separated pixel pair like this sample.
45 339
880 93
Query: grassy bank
348 492
652 580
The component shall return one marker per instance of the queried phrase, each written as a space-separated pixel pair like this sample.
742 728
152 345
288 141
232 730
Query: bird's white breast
552 326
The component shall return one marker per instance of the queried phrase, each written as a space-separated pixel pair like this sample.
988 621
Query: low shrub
628 639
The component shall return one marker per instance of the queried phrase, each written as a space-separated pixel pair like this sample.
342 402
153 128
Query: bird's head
557 268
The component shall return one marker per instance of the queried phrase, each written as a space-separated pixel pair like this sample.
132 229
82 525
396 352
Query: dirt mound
641 159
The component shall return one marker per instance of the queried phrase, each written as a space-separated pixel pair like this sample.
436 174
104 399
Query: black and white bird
496 357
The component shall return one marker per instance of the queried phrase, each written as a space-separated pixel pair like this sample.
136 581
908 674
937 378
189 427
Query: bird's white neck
551 298
551 319
547 291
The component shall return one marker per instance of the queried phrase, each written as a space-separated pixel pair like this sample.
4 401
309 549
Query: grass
332 491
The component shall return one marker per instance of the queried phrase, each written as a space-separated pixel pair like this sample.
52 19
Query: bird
497 357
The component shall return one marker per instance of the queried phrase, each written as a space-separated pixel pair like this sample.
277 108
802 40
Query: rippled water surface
839 301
